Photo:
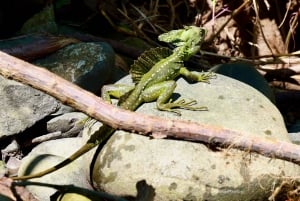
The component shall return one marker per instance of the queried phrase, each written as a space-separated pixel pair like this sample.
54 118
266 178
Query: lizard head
189 35
186 40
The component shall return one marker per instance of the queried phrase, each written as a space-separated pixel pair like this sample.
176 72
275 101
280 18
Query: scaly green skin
157 84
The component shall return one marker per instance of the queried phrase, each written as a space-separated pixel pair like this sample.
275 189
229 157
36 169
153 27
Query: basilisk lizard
153 74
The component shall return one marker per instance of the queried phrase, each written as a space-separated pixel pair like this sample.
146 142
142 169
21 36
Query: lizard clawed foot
181 104
205 77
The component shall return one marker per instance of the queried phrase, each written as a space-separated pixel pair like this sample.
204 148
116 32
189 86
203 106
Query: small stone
65 122
13 165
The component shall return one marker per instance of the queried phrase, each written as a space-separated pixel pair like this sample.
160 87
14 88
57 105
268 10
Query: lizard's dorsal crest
146 61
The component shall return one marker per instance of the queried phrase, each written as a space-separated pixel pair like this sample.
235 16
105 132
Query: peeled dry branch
68 93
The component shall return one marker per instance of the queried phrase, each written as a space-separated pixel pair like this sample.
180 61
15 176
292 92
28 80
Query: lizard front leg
196 76
162 93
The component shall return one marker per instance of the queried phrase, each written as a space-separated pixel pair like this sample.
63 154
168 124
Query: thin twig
172 9
260 26
118 28
285 15
233 14
144 17
137 28
292 28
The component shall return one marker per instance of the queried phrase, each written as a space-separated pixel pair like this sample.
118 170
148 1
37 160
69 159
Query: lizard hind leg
162 92
114 90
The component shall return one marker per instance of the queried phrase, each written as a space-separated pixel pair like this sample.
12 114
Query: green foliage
61 3
43 21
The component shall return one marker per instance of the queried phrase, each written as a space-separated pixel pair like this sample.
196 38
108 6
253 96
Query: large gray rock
180 170
89 65
22 106
246 73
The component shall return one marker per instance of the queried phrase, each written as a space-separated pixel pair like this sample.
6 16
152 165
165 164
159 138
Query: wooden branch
94 106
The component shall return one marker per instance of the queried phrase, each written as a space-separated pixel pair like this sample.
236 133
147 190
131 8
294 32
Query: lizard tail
98 138
77 154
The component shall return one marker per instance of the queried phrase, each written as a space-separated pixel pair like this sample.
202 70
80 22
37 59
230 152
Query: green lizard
153 74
